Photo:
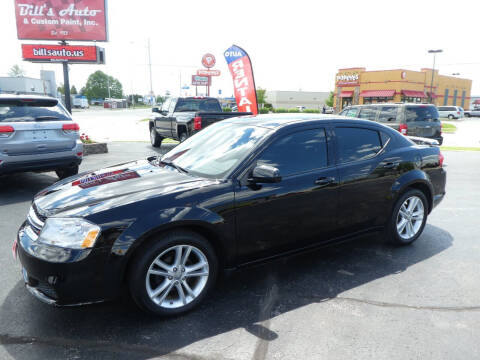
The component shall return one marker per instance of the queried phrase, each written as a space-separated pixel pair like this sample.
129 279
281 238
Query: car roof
277 121
20 96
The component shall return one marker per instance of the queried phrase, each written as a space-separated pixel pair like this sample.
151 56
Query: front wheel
408 217
67 172
173 274
155 139
450 117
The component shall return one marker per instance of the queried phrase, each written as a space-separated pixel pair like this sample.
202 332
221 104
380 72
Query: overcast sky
293 44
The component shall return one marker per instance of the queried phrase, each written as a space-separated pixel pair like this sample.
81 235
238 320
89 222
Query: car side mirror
155 109
265 174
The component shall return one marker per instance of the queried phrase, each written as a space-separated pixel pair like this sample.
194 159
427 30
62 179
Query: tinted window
31 110
297 152
356 143
191 104
388 114
368 112
421 113
352 112
384 137
166 104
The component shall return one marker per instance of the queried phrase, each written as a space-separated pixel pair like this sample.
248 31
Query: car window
368 112
166 104
421 113
356 143
192 104
388 114
384 137
298 152
441 108
18 110
172 106
352 112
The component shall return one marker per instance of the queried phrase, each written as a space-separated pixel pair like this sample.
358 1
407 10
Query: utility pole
434 52
150 68
66 83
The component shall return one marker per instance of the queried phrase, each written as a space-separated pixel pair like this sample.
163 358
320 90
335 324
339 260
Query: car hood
118 184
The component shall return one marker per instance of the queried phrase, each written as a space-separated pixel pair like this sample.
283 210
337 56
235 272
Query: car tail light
403 129
458 112
440 159
197 122
80 154
72 127
6 131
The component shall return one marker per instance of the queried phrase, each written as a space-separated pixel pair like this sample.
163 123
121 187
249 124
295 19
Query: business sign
208 72
201 80
61 20
347 79
243 82
208 60
52 53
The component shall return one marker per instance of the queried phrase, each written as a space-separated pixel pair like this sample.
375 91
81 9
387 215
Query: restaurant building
354 86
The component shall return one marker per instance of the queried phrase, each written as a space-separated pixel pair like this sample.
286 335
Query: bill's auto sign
52 53
61 20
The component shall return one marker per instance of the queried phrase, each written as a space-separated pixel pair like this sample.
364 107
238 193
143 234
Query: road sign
52 53
208 72
200 80
208 60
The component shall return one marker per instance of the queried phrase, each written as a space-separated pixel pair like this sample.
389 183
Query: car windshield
31 110
216 151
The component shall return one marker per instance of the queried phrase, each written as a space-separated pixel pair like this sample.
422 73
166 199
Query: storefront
359 86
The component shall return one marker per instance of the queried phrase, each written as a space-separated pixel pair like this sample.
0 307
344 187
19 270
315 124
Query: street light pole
434 52
150 68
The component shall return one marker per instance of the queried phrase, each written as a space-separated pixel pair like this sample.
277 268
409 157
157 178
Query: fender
407 179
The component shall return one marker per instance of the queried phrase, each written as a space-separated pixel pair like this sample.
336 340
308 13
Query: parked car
451 112
37 134
81 102
470 113
242 191
420 120
179 118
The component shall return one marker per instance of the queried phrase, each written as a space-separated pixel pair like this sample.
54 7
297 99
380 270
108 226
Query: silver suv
38 134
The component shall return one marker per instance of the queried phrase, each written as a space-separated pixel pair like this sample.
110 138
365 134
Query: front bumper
73 282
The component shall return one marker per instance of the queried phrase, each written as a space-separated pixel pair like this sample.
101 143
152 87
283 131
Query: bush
263 111
280 110
227 109
313 111
293 110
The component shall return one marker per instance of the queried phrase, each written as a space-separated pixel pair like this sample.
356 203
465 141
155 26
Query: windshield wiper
172 164
46 117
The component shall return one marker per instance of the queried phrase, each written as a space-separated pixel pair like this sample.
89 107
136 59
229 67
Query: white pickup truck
474 112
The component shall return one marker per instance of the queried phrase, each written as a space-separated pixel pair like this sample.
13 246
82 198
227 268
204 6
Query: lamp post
434 52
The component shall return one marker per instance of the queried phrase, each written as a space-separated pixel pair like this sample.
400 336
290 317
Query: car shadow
248 300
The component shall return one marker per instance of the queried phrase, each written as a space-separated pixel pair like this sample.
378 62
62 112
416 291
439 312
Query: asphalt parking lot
362 300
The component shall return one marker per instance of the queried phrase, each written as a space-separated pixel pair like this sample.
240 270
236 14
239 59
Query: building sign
52 53
208 72
61 20
201 80
347 79
208 60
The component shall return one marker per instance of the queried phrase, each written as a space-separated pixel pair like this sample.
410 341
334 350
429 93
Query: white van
451 112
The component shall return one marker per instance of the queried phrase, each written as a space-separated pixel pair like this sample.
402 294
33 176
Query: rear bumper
39 165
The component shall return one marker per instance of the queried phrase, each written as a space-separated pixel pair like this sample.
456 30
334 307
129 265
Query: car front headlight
70 233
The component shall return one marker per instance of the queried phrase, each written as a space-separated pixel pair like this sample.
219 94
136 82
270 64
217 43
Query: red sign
201 80
208 60
208 72
61 19
47 53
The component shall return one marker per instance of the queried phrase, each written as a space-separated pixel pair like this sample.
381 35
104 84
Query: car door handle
323 181
389 165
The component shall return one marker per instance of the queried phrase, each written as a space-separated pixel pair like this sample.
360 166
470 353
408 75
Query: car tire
157 289
67 172
450 117
467 115
408 218
183 137
155 139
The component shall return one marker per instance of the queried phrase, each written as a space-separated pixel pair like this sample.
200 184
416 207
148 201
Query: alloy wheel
410 217
177 276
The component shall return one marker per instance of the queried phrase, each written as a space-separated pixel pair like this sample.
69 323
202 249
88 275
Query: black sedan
241 191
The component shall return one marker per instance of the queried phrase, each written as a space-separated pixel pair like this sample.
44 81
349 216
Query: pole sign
208 72
53 53
201 80
82 20
208 60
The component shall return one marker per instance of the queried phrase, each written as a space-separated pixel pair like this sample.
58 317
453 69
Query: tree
261 95
97 86
61 89
16 71
329 101
73 90
160 99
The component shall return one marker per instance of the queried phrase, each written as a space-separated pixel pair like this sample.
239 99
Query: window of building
445 98
408 99
455 97
464 93
357 143
296 153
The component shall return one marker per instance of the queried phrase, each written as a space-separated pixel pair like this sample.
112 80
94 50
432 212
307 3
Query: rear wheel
155 139
467 115
408 218
173 274
67 172
183 136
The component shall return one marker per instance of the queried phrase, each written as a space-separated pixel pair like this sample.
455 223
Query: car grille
35 219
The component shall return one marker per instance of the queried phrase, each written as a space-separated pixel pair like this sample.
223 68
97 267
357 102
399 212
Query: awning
377 93
346 94
434 96
414 93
